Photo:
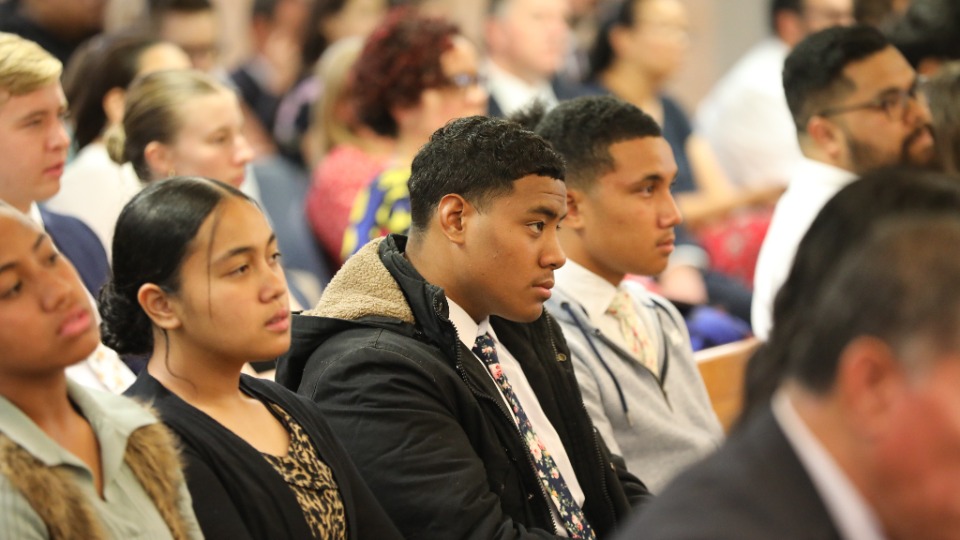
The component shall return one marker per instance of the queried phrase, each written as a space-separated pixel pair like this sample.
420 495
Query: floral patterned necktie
573 519
633 331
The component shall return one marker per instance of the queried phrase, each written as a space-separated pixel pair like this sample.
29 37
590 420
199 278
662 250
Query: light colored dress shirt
467 331
125 511
513 93
812 184
595 294
746 120
851 514
94 189
103 369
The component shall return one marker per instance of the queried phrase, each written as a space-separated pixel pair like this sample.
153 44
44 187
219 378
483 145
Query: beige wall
722 31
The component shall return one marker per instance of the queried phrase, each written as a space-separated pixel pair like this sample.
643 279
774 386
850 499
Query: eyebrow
546 211
242 250
36 246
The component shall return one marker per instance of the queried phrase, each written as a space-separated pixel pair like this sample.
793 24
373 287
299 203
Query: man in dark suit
33 151
862 440
528 42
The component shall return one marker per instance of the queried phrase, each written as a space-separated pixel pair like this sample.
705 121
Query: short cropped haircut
25 67
582 130
478 158
400 60
813 71
893 287
930 29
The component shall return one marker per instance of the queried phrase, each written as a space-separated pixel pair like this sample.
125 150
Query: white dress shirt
595 294
468 330
103 369
746 120
851 514
94 189
513 93
812 184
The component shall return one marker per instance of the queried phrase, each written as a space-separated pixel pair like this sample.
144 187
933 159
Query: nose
274 284
243 153
918 110
553 256
670 215
59 138
56 287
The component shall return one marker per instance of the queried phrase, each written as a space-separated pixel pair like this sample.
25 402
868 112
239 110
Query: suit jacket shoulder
80 245
753 488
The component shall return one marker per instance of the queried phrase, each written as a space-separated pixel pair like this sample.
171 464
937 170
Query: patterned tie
633 331
573 519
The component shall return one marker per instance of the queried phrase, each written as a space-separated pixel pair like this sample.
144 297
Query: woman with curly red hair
413 75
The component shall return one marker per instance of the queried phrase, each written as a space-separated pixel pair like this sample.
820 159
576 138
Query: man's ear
453 212
159 159
158 306
868 384
575 206
827 136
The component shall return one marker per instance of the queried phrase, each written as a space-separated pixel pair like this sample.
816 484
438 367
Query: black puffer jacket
427 429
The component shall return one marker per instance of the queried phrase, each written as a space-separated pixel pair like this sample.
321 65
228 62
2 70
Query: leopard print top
311 481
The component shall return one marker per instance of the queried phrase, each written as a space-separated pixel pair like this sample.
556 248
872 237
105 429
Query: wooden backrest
722 370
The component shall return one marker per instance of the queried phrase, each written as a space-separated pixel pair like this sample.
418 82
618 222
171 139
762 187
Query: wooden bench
722 369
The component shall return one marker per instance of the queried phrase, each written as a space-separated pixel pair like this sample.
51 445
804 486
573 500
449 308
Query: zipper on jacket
663 389
533 466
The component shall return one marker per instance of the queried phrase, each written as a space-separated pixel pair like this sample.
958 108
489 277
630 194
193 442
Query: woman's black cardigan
236 493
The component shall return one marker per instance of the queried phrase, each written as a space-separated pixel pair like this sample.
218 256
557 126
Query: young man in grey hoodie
630 348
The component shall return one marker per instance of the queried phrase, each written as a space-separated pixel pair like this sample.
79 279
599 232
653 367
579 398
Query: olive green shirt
126 511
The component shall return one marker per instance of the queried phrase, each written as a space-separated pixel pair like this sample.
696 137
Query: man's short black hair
477 158
583 129
930 29
900 286
158 8
813 71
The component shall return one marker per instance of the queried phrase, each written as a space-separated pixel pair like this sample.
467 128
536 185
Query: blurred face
233 303
210 142
162 56
625 221
357 18
918 458
33 146
46 320
196 33
877 137
513 248
820 14
530 37
461 96
659 38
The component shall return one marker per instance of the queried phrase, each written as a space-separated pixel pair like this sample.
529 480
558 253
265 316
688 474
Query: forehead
534 191
234 222
208 112
45 98
16 230
460 58
643 156
881 71
536 7
836 6
183 27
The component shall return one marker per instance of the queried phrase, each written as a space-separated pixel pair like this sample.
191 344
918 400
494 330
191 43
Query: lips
56 169
77 322
280 322
544 287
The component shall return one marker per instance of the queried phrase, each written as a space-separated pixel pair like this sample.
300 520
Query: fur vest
51 492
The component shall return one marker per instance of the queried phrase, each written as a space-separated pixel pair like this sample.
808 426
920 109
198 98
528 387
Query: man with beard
853 98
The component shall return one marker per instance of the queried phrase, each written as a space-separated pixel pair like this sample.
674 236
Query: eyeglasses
892 102
464 81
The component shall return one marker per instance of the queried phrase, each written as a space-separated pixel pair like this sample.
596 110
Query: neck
428 259
196 377
630 84
43 399
575 250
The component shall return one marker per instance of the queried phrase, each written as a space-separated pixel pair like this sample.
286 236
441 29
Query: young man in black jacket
434 362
